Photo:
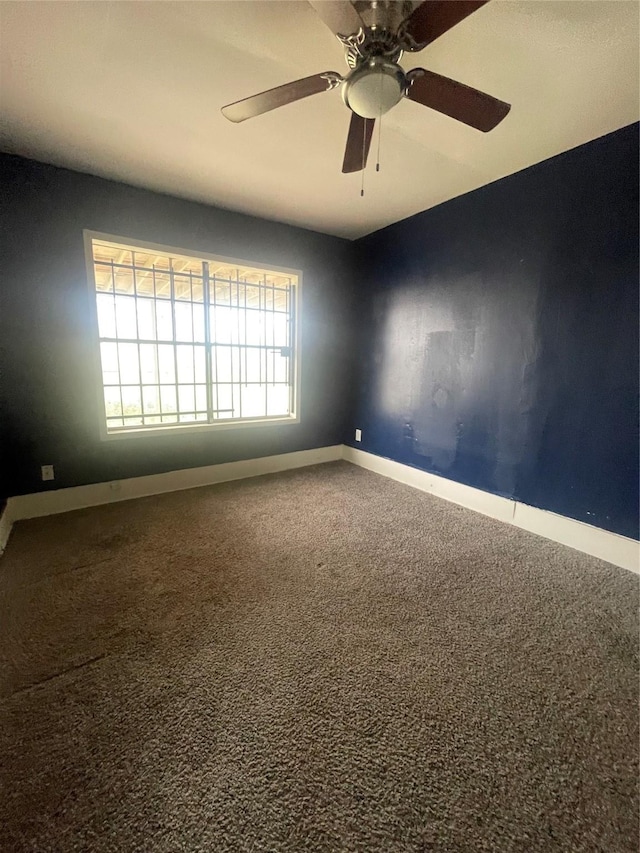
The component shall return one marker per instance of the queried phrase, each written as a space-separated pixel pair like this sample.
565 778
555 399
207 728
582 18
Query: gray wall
47 381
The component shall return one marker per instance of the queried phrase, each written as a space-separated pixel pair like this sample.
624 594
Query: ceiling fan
375 34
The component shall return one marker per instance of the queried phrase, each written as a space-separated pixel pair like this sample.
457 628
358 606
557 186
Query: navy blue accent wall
48 399
499 346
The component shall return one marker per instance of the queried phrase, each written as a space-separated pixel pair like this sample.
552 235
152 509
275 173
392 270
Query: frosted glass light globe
372 90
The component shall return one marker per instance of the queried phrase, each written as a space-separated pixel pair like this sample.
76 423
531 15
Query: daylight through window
186 340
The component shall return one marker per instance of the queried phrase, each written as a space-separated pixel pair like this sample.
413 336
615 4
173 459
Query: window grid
222 350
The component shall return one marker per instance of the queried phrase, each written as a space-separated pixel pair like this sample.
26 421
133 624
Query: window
191 341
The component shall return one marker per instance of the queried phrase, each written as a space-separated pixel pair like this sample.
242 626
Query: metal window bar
238 342
135 305
293 337
206 298
244 316
154 328
265 340
263 333
172 292
115 324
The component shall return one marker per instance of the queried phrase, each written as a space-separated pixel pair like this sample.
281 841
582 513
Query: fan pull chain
364 148
379 128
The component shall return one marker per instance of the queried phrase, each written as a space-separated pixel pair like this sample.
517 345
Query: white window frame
187 428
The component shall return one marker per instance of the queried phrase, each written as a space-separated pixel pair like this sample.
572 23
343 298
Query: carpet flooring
321 660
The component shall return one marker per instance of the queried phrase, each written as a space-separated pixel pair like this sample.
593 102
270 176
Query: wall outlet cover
47 472
358 435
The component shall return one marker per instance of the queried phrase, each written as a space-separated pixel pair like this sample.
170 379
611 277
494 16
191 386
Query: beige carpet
322 660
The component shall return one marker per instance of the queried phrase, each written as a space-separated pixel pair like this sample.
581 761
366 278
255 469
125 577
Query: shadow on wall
457 378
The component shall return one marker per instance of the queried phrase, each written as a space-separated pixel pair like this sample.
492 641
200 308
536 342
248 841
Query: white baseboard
5 528
80 497
612 547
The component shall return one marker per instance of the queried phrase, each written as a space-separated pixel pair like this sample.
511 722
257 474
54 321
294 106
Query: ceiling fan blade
455 99
432 18
358 143
339 15
281 95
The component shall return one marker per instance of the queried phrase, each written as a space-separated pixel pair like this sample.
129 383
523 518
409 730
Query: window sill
191 429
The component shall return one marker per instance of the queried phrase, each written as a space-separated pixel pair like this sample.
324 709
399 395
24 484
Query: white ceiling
132 91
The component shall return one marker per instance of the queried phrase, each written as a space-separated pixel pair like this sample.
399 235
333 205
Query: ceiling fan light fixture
374 35
374 88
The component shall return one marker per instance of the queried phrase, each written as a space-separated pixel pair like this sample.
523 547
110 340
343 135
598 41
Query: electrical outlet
47 472
358 435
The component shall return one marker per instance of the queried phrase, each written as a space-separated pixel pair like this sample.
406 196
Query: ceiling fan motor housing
374 87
